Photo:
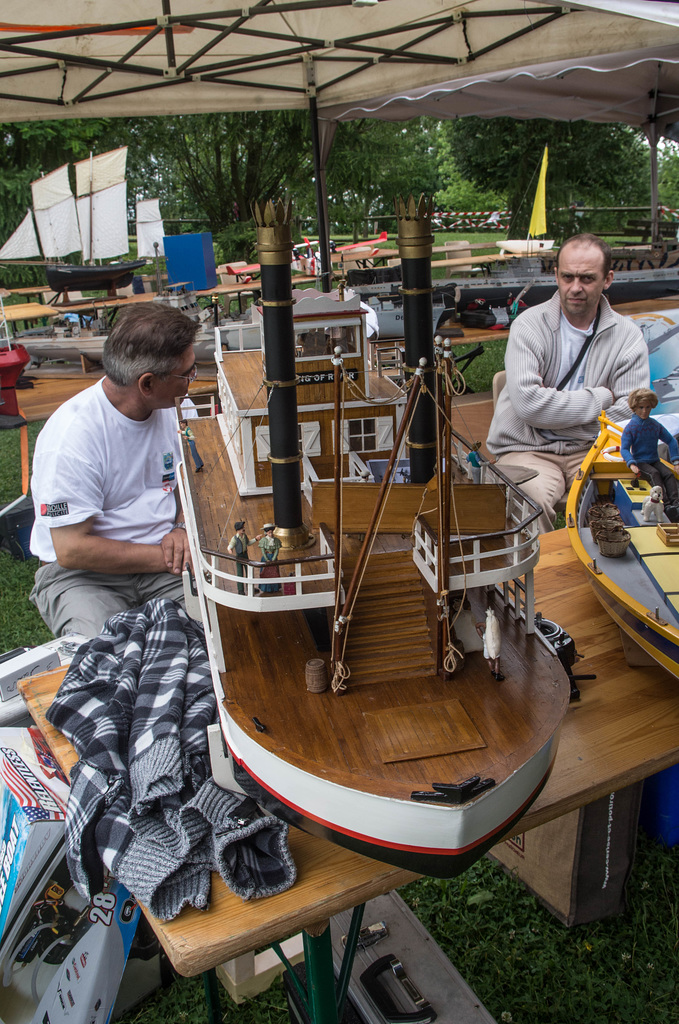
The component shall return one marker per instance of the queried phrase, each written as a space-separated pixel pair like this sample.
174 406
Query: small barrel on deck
316 675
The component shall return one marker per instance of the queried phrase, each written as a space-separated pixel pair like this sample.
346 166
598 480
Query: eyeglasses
190 376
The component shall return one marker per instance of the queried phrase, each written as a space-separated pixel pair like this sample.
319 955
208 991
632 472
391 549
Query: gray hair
148 338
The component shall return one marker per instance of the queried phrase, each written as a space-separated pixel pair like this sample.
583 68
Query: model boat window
362 435
321 341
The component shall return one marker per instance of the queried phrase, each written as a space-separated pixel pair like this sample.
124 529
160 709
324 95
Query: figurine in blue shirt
639 445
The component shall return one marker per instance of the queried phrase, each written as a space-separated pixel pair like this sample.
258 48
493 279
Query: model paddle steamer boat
356 700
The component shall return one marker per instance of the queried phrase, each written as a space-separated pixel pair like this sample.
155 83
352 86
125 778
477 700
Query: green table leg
212 999
322 1000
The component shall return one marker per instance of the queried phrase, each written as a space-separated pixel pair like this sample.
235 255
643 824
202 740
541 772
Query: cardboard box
65 956
24 662
33 796
578 865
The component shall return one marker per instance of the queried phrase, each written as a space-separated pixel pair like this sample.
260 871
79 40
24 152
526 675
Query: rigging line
339 440
460 549
375 532
402 390
233 434
523 197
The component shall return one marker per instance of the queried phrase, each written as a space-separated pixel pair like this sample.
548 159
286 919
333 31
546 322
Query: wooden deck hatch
408 733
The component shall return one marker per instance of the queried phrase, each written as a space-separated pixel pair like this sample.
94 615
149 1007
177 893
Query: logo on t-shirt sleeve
56 508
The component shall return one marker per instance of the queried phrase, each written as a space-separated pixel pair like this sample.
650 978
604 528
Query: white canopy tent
634 87
92 58
89 58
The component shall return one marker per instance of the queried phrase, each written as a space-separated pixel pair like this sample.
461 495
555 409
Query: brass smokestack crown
274 237
414 218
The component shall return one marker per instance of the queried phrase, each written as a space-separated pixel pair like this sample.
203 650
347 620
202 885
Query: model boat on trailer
636 575
355 699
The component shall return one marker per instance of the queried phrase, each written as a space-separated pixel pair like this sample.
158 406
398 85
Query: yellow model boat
639 588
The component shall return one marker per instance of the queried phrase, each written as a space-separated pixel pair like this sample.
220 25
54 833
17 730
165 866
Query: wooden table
29 311
625 728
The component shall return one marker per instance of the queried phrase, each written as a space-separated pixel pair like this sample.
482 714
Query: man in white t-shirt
108 529
567 360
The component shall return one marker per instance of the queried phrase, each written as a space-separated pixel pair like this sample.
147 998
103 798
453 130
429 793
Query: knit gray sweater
617 362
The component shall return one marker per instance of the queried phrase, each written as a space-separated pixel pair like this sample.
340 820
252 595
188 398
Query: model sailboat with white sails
92 221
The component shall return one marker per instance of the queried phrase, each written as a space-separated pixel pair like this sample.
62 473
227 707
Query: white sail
100 172
149 228
55 214
51 189
23 243
109 210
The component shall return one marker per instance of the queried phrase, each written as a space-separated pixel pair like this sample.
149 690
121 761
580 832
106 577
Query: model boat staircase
389 636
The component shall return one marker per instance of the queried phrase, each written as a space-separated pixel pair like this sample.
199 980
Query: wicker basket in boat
614 544
604 518
316 675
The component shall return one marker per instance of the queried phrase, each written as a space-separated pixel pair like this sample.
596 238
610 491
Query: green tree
668 175
458 193
594 164
222 163
373 161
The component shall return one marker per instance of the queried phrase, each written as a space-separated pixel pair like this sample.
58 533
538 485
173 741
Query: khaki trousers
555 476
79 601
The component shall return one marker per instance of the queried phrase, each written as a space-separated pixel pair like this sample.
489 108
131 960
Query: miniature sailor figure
239 544
492 642
639 448
269 545
185 431
474 463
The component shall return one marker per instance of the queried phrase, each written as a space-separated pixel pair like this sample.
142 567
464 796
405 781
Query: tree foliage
668 176
455 191
373 161
592 164
220 164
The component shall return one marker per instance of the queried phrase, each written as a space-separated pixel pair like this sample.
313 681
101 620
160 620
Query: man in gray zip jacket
567 360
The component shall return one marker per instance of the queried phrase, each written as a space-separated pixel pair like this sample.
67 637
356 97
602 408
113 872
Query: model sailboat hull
640 588
64 276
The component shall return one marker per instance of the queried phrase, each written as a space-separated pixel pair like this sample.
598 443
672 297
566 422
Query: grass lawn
523 965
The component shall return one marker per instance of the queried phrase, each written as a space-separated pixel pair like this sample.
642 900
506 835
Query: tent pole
653 141
321 200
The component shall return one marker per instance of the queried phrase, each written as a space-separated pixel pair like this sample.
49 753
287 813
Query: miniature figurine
269 545
239 544
489 631
653 505
639 449
474 463
186 432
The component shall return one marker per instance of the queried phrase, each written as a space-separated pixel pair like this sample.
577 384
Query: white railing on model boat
299 587
478 564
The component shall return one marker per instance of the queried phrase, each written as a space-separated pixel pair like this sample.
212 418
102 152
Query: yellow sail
538 220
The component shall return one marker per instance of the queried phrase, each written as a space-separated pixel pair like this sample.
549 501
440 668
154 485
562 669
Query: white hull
430 838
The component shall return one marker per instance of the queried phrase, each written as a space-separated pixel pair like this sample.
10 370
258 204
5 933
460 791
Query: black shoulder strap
581 354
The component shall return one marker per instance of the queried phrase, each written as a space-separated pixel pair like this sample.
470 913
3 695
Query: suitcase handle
370 979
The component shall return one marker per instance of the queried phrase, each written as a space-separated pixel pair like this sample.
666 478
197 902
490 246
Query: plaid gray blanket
135 703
